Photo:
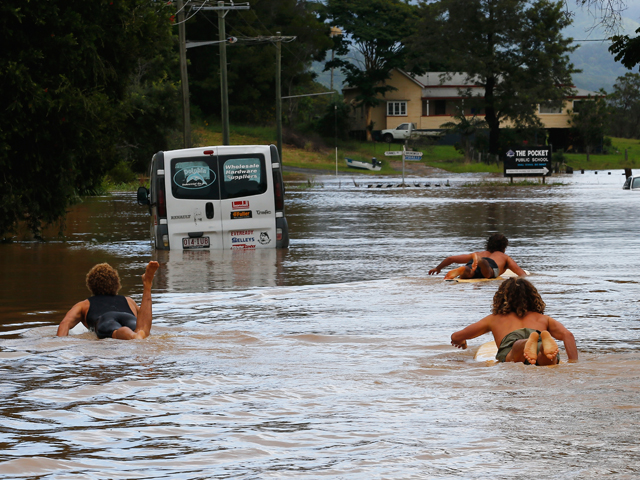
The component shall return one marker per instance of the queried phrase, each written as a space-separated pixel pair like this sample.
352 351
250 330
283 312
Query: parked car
632 183
219 197
405 131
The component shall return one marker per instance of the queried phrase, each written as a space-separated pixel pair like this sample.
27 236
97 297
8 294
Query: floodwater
331 359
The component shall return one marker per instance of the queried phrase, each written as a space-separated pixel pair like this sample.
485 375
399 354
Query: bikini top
101 304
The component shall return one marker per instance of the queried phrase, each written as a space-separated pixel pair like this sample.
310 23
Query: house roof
449 84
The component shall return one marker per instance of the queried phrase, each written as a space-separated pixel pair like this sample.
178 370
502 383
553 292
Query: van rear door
247 203
193 211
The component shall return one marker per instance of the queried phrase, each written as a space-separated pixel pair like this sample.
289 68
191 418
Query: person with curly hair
108 314
520 328
490 263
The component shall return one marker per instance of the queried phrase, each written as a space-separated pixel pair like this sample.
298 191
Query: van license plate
198 242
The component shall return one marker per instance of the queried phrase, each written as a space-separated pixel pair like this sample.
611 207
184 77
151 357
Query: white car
219 197
632 183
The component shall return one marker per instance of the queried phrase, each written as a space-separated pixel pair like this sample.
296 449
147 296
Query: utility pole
279 40
279 94
184 78
224 89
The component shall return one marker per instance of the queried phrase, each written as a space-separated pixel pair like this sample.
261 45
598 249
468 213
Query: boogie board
506 274
486 352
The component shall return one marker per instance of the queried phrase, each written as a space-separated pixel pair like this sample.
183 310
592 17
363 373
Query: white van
220 197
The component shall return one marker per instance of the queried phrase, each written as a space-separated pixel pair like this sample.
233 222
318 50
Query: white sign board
527 171
393 154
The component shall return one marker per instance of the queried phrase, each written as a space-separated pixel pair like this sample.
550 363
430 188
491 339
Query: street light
335 32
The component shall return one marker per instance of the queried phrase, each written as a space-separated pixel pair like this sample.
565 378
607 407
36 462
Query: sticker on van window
242 169
193 175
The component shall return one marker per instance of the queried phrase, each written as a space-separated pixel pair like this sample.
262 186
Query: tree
608 13
589 122
626 49
514 49
624 103
375 29
466 127
65 69
251 61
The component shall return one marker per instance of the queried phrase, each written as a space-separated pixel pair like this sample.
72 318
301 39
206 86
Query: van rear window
213 178
194 178
242 176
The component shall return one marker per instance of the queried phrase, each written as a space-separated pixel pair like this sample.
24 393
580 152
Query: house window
547 108
396 109
425 108
440 107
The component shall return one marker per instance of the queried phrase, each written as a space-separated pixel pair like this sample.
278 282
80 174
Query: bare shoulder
82 306
133 305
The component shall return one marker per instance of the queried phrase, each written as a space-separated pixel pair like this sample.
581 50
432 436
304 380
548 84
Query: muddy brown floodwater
331 359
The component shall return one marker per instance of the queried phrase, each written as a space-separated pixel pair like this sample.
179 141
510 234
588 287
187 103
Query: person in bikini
108 314
490 263
521 330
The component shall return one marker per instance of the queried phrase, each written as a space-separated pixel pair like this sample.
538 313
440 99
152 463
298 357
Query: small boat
374 164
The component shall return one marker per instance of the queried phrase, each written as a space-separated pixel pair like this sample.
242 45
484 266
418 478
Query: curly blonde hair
103 279
519 296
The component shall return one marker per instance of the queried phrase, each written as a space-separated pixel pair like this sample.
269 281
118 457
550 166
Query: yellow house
431 99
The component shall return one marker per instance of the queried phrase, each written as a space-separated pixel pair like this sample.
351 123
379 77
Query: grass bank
322 158
624 153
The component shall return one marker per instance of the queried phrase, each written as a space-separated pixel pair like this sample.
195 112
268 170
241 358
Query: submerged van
221 197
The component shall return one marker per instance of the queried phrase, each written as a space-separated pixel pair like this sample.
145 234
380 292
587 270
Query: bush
309 141
121 173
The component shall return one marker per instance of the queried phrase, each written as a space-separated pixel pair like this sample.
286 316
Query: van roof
218 148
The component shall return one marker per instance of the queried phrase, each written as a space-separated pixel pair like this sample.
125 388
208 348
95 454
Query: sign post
528 162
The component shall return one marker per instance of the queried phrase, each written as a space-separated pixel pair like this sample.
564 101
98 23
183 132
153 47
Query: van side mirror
143 196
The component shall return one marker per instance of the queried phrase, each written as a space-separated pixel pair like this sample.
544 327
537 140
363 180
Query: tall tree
375 30
65 68
624 102
513 49
251 61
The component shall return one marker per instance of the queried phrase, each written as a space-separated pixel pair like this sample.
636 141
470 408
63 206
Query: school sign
527 162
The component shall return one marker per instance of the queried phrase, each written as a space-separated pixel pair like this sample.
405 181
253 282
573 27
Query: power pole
224 89
279 40
279 94
184 78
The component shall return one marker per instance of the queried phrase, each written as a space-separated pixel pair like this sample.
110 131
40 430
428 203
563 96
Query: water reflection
204 270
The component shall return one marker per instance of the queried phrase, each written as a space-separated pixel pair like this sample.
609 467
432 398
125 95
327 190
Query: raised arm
560 332
72 318
449 260
513 266
459 338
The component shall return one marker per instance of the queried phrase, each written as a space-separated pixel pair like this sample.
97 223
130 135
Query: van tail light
278 190
162 201
278 234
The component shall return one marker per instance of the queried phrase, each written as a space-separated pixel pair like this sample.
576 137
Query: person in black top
109 314
489 263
